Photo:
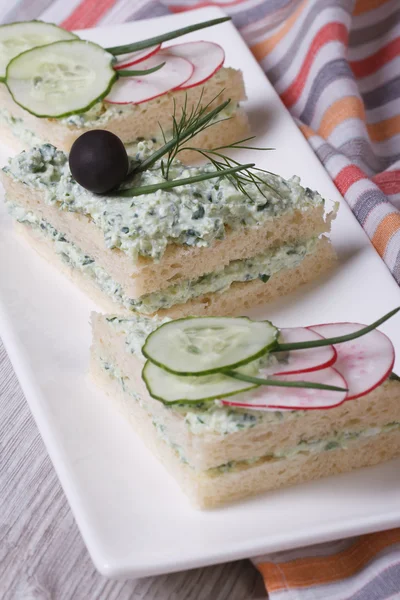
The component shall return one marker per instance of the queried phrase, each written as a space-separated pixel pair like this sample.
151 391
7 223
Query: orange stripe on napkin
311 571
261 49
378 132
385 230
350 107
363 6
306 130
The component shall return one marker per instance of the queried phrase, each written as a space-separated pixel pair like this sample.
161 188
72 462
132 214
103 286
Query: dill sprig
243 178
186 127
183 130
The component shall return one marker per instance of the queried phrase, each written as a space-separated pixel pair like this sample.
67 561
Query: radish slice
366 362
134 90
206 57
126 60
276 398
302 361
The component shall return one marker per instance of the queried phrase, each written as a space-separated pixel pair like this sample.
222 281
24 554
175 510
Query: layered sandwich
201 240
54 87
210 397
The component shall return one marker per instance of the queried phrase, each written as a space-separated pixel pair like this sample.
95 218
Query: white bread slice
235 300
179 262
270 432
207 490
143 120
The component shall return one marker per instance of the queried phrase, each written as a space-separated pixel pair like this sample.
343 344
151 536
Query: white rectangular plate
132 515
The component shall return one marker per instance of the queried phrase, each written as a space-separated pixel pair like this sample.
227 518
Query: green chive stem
335 340
166 185
149 162
159 39
128 73
277 383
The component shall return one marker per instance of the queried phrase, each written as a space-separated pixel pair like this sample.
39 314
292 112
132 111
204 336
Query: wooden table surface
42 555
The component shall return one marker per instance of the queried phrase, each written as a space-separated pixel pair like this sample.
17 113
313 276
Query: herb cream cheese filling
192 215
338 439
18 128
262 267
98 115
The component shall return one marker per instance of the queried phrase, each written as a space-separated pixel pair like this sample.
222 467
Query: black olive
98 161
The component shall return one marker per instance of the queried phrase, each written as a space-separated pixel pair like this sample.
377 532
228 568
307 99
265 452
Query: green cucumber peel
274 347
207 398
259 381
95 100
22 27
164 37
238 363
335 340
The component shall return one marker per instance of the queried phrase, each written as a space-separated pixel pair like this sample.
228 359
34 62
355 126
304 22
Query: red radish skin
280 398
135 90
303 361
207 58
365 362
134 58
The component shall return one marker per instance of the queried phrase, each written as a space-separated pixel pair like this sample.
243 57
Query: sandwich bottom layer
240 286
235 481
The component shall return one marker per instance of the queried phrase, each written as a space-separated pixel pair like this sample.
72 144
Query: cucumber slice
205 345
172 389
19 37
60 79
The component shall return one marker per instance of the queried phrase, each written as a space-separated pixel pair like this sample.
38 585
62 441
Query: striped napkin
367 568
336 66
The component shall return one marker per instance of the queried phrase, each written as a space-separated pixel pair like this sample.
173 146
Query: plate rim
106 565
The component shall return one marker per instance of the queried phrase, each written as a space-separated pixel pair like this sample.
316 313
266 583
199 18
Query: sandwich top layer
129 121
195 215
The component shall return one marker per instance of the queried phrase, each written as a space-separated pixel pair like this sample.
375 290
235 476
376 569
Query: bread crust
239 297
